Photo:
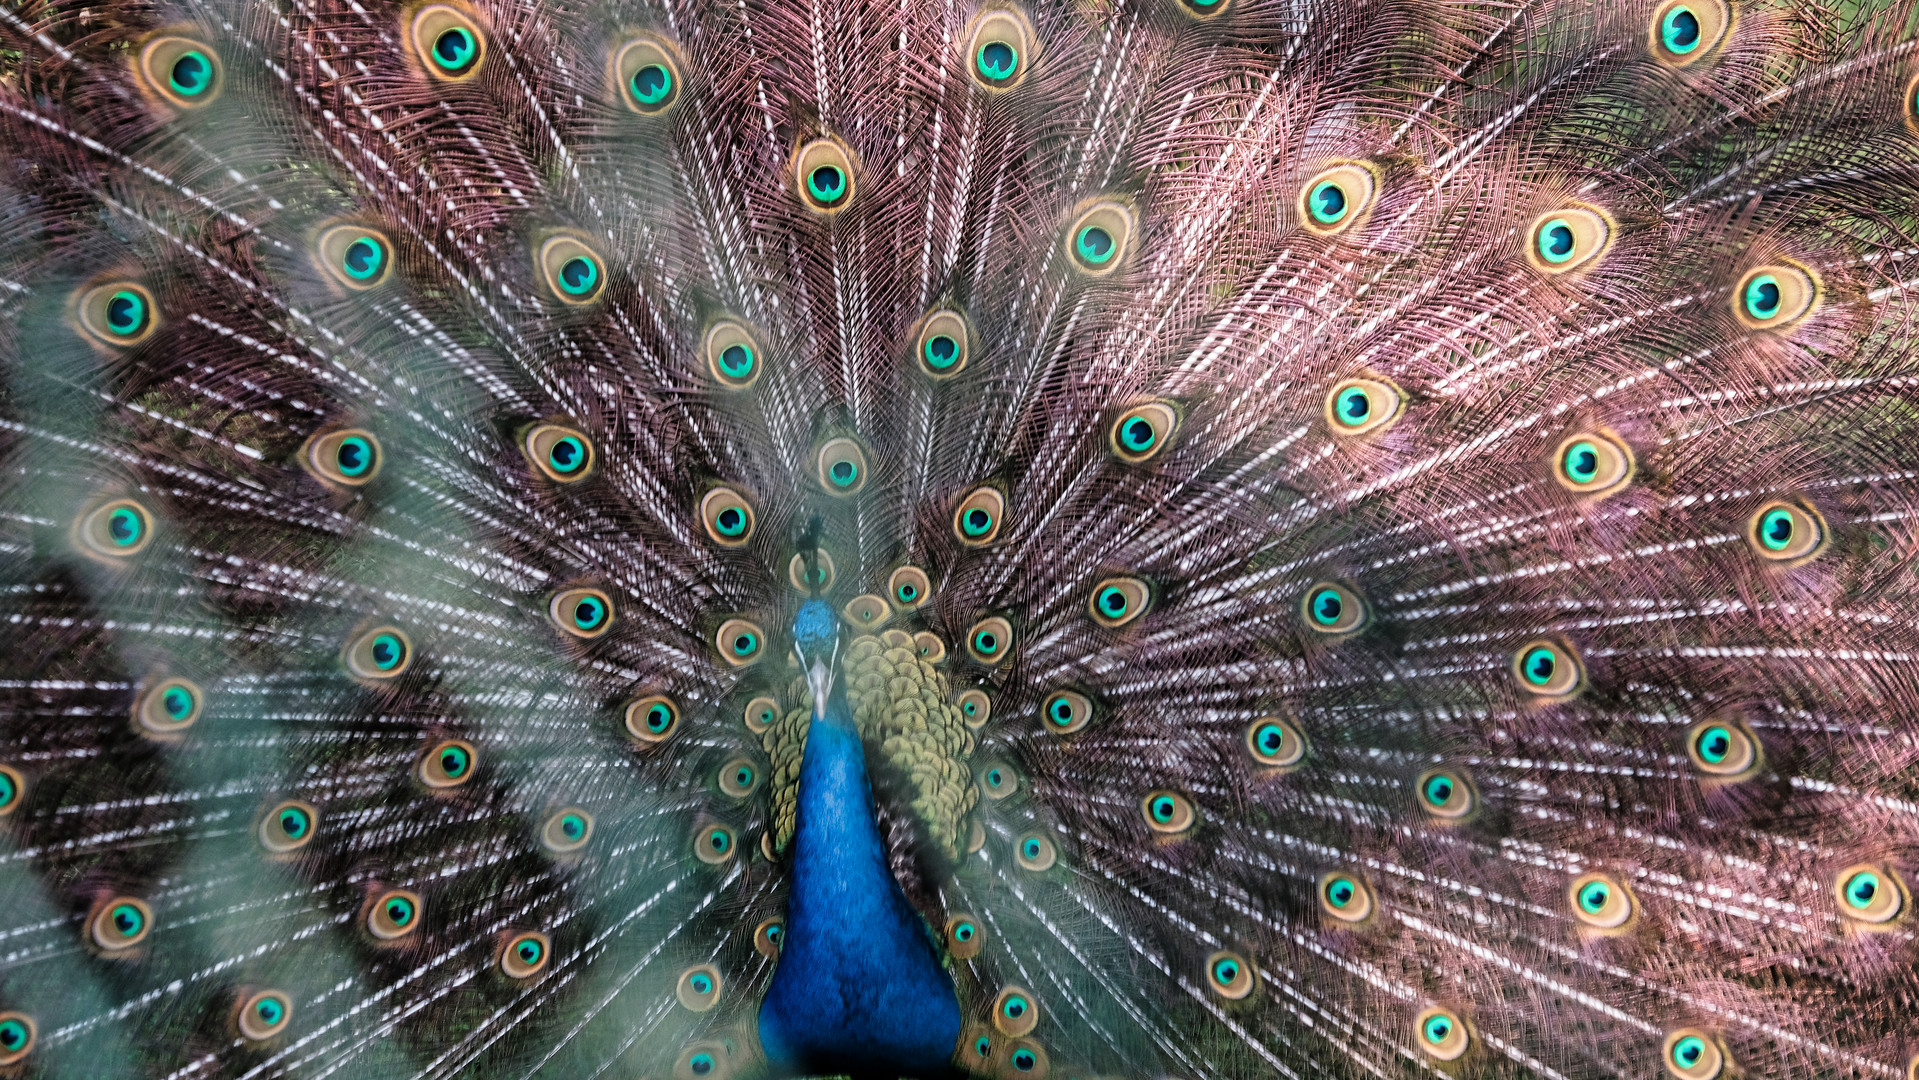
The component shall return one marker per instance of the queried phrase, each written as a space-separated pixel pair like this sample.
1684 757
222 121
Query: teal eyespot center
774 933
354 456
454 761
1327 202
1679 31
1776 529
658 718
826 183
942 352
1687 1051
1095 245
294 823
1025 1060
363 259
994 778
1437 1029
455 48
1715 744
387 651
529 951
579 275
701 983
177 701
720 841
126 919
9 791
191 74
573 826
1270 737
745 644
269 1010
1327 607
1594 896
1353 406
1762 297
983 1046
997 60
1861 889
700 1064
736 361
1225 971
1438 790
730 521
743 776
124 527
1137 435
1341 891
1031 848
1060 711
986 642
126 313
1014 1007
399 911
844 473
1164 808
651 84
909 592
964 932
567 455
589 613
13 1035
1112 602
1557 241
1539 666
1582 462
976 522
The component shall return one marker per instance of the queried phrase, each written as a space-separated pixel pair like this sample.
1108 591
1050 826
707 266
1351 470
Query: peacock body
1126 538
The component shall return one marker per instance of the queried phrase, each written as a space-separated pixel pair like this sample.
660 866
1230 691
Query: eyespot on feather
740 642
768 937
168 707
1026 1060
288 827
841 467
1787 533
645 72
1446 794
354 256
739 778
1601 902
1117 601
964 938
1442 1034
117 314
997 780
990 641
1869 895
1363 405
714 844
822 573
760 714
18 1033
699 988
1722 747
1692 1054
181 70
524 955
654 718
1098 240
1275 742
727 516
1593 463
1231 976
942 344
1346 897
823 173
733 354
1000 47
1168 813
263 1015
867 612
975 707
709 1060
13 789
582 613
1066 711
561 453
908 588
930 647
978 517
379 654
449 43
1548 670
1142 432
1015 1012
1331 609
447 764
566 830
574 273
393 914
1035 851
1568 238
344 457
1776 297
1683 32
1338 199
120 923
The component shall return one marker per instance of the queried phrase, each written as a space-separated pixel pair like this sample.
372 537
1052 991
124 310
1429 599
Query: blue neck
859 988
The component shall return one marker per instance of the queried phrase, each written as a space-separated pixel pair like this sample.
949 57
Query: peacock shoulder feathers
1199 539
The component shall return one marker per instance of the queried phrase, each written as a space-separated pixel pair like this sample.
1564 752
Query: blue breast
859 986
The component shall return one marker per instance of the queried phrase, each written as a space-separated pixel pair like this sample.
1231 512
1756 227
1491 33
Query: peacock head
816 641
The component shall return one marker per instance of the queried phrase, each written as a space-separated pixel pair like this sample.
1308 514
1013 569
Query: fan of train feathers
1372 538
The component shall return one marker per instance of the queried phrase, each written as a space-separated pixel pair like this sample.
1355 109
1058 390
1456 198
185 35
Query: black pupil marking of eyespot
572 826
1559 240
123 526
994 778
1332 201
718 840
529 951
1716 745
650 82
1542 666
190 72
177 702
1767 300
942 349
1032 849
1097 241
293 823
386 652
453 762
997 57
843 471
1139 434
1062 711
1163 809
743 644
451 47
567 454
1585 463
1438 790
978 521
1113 601
701 1065
12 1035
1341 892
1779 528
1270 740
362 257
908 592
1358 404
123 313
1015 1008
126 920
1328 606
827 182
964 932
588 613
1689 1054
1685 28
1023 1060
736 360
731 520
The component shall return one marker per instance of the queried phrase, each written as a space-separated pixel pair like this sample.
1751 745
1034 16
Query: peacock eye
700 1064
714 844
824 172
652 719
184 73
727 517
1229 975
121 923
1034 851
1785 532
975 707
1067 711
524 955
264 1015
1026 1058
1723 747
17 1036
117 314
998 781
1684 31
354 256
1869 894
1443 1036
1600 902
12 784
1691 1054
581 613
842 467
1276 742
1142 432
768 937
447 764
983 1046
646 76
1167 812
1446 794
1548 669
1332 609
119 529
963 937
1775 297
287 827
393 915
976 520
1014 1012
449 42
346 457
574 273
1338 198
999 48
566 830
990 640
1098 237
382 653
1568 238
740 642
1345 897
168 707
760 714
732 354
1117 601
910 587
1359 406
1592 463
739 778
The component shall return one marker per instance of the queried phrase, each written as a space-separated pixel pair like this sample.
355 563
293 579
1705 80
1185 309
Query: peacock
1054 539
